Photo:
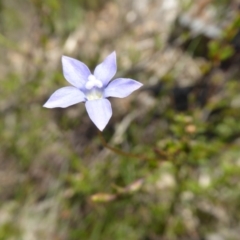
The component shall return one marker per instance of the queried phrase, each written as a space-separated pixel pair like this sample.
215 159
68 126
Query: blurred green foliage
53 168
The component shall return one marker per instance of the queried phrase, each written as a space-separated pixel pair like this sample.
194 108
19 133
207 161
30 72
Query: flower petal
65 97
75 72
121 87
107 69
99 111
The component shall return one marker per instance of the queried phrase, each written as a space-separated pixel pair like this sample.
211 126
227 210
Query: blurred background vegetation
57 181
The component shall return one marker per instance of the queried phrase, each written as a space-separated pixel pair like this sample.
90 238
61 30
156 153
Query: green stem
117 150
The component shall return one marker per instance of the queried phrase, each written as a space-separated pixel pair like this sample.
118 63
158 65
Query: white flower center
94 86
93 82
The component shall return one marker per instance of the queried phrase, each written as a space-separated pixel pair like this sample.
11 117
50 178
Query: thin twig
117 150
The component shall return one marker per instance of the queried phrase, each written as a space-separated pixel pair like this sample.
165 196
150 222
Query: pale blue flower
93 89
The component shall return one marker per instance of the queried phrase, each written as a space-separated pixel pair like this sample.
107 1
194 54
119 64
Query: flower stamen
93 82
